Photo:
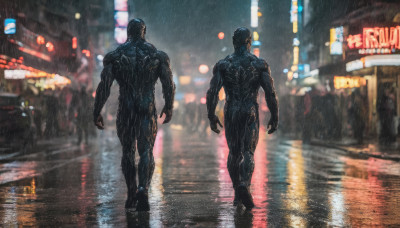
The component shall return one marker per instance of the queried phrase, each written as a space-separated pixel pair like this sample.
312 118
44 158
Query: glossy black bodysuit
241 74
136 66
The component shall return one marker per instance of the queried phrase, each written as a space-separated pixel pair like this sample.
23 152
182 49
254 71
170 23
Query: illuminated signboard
294 15
373 60
377 40
256 52
295 55
344 82
254 14
120 5
121 18
15 74
10 26
336 40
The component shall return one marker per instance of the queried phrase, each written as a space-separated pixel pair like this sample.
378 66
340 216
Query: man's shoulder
110 57
260 63
148 47
223 63
162 55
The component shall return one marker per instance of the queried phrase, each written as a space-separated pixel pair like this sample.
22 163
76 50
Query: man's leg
127 137
246 165
234 131
146 138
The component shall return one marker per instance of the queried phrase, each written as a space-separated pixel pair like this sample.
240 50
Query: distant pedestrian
84 116
309 114
358 116
387 112
52 112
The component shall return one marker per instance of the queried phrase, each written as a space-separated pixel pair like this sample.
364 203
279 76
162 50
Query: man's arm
103 90
212 97
267 83
168 86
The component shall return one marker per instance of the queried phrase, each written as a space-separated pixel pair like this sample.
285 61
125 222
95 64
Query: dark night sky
192 26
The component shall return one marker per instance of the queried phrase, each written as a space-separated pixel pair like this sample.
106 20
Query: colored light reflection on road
258 216
225 193
260 182
297 197
83 197
337 212
369 195
156 188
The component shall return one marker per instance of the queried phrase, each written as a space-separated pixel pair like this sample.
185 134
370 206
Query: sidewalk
370 148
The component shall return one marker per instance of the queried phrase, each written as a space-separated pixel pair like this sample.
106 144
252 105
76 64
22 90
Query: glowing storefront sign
15 74
15 69
373 60
377 40
10 26
344 82
336 40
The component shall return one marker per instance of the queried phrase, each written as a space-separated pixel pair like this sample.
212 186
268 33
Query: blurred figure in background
52 112
357 114
387 112
331 114
309 112
82 104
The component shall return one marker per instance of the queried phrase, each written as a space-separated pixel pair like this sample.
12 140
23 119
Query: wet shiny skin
293 185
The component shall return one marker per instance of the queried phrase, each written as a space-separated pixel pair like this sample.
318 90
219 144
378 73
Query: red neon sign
74 43
376 38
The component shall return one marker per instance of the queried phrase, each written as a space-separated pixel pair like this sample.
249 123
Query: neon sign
343 82
377 40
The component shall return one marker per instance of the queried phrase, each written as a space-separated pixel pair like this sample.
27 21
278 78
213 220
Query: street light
77 16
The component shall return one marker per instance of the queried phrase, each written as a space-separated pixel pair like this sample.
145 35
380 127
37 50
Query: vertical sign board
10 26
336 41
121 19
254 14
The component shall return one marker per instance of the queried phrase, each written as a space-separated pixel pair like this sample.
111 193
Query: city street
294 185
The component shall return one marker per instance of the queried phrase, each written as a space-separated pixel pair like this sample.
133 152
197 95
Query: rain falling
230 113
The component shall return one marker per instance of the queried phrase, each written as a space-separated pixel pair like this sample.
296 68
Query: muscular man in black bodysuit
241 74
136 65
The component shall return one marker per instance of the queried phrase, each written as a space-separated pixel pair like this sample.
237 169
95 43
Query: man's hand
272 125
213 124
168 114
99 122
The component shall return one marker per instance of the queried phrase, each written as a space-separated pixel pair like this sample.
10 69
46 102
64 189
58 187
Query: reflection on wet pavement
293 185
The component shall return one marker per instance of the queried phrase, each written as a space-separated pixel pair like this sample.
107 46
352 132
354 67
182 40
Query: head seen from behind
136 29
242 39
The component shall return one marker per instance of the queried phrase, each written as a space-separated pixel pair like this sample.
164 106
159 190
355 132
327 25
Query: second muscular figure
241 74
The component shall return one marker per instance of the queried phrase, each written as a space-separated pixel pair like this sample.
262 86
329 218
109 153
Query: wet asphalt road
294 185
